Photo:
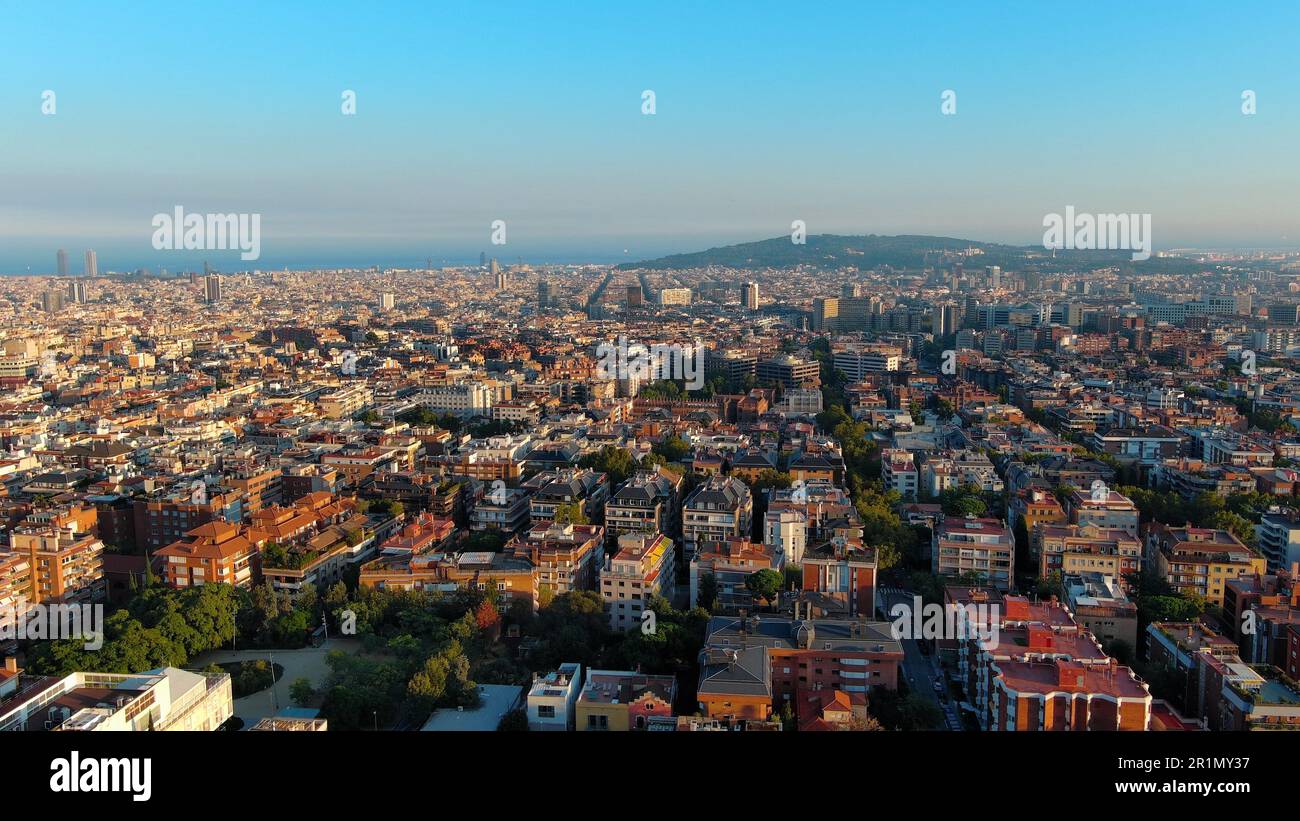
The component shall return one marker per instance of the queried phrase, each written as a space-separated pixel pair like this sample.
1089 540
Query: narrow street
921 671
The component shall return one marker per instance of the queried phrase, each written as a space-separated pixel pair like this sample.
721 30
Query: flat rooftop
495 700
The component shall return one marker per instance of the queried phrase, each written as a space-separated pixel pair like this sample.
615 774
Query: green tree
612 460
708 592
571 513
764 584
301 691
673 448
428 687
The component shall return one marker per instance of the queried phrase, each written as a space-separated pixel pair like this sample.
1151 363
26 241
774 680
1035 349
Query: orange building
1060 695
66 566
752 667
214 552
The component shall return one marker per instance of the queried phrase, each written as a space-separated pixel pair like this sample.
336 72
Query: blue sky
766 113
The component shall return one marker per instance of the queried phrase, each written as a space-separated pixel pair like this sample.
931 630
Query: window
546 711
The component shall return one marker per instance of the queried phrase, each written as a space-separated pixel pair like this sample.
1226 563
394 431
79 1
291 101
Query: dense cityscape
942 496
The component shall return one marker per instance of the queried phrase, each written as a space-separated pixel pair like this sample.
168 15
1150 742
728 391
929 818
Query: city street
920 670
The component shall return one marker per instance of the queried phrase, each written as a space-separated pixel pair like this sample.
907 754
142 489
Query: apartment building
1147 445
297 481
442 572
1217 687
958 468
463 399
424 533
786 531
1199 561
821 504
167 515
1100 605
345 402
730 563
983 547
216 552
163 699
64 566
1103 508
1060 695
1233 450
816 466
857 361
1255 698
1025 630
15 586
1261 610
716 510
646 503
1073 549
316 541
898 472
1278 537
1043 671
839 579
553 699
1190 478
1179 650
581 490
1035 506
789 372
565 557
675 296
750 464
641 567
751 667
355 464
503 509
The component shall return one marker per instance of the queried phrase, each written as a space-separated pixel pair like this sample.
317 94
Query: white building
856 361
164 699
801 402
1278 536
461 399
641 568
675 296
551 699
787 530
898 472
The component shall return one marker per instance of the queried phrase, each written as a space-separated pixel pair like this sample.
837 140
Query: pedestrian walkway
308 662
